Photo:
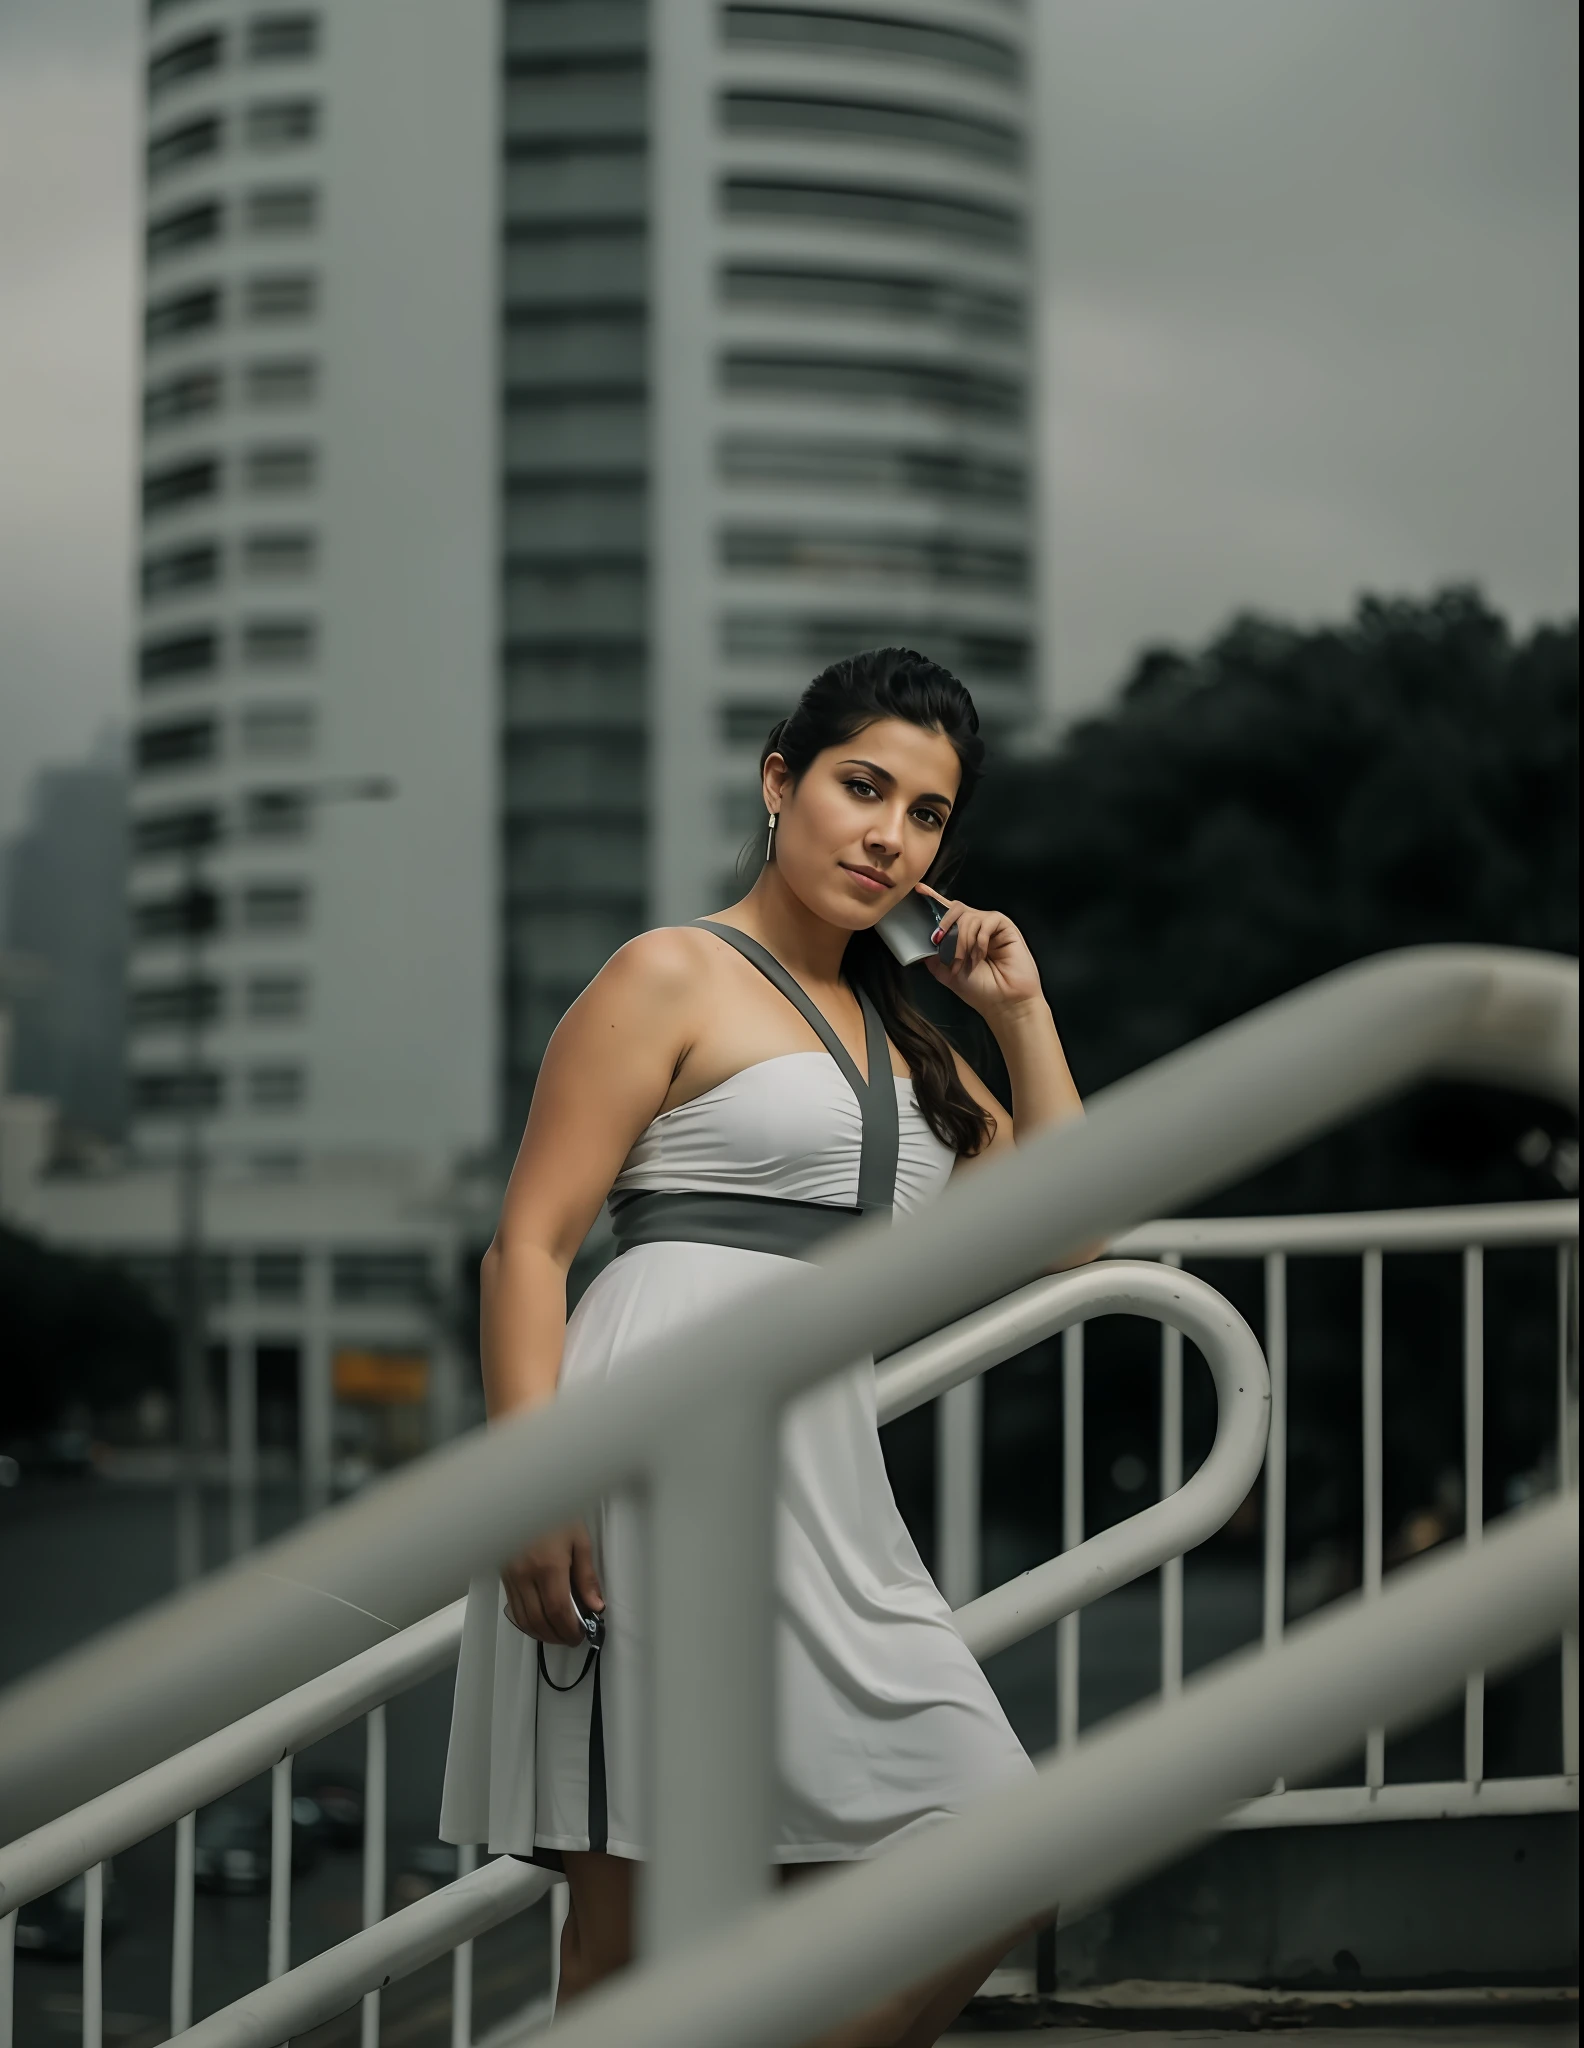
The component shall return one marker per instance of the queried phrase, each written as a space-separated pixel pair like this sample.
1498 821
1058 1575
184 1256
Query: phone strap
593 1652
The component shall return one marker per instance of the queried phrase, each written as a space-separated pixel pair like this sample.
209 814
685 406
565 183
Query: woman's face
865 820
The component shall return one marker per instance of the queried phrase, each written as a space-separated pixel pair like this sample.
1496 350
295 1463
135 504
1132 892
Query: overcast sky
1311 285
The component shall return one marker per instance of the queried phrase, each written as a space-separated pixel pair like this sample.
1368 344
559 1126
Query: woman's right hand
541 1580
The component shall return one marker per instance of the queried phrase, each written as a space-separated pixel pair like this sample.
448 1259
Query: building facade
768 399
536 394
317 590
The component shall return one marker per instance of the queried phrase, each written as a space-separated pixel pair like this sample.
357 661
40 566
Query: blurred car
419 1869
52 1925
231 1844
53 1453
338 1794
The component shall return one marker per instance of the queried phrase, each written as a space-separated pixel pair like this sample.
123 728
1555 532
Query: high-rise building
766 384
317 578
538 392
64 928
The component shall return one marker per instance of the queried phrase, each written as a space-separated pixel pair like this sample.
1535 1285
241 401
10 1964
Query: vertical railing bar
560 1906
93 1957
8 1923
1067 1629
462 1965
958 1436
373 1856
1567 1476
181 1991
1274 1618
1373 1375
1275 1603
1474 1485
1171 1479
280 1868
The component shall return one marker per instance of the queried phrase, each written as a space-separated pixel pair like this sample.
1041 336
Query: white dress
886 1724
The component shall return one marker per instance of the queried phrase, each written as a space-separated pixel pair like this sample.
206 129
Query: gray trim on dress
767 1223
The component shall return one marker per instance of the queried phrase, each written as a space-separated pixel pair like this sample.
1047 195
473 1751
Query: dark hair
895 682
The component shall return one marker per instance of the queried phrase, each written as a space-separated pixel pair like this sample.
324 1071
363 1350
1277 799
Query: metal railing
393 1946
1137 1793
1466 1232
696 1431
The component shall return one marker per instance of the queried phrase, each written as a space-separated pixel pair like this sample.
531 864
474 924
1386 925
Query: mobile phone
906 931
592 1625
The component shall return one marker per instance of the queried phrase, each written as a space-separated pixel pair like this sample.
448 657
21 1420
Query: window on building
190 58
175 657
863 552
277 731
189 396
190 910
871 35
740 811
159 1004
184 227
277 1276
275 814
816 638
881 207
274 38
887 121
895 294
283 297
181 483
282 209
168 1092
275 906
185 143
278 643
276 998
276 1087
278 553
183 313
371 1276
282 124
744 723
195 567
280 467
180 743
281 381
871 465
944 387
157 832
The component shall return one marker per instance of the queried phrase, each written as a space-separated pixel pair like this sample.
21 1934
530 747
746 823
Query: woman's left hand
992 968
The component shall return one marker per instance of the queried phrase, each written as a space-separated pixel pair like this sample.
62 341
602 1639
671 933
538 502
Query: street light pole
200 916
198 906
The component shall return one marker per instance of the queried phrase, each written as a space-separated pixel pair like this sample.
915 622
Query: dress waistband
749 1223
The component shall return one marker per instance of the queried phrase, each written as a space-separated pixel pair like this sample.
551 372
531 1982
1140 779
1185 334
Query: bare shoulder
654 978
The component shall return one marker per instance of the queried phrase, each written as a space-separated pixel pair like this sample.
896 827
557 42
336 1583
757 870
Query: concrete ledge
1243 2008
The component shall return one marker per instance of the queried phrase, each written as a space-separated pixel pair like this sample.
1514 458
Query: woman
703 1065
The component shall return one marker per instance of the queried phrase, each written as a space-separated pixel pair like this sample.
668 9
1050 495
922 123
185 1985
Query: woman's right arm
604 1076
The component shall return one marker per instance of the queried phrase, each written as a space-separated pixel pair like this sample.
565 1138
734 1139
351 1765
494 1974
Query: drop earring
770 838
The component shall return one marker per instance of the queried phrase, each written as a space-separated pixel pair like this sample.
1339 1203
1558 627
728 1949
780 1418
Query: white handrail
128 1813
1183 1519
379 1955
1447 1229
35 1863
696 1424
1139 1792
